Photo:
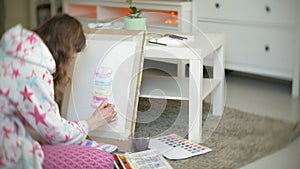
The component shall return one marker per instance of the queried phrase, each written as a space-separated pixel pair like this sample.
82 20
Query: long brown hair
64 36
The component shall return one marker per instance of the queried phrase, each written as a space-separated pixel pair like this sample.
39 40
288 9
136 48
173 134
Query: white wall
1 17
15 11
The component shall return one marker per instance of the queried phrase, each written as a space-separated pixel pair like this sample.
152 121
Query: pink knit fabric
75 156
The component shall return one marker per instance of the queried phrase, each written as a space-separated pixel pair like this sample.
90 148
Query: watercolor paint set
176 147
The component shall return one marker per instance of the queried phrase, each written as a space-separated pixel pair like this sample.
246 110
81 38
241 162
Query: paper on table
171 41
175 147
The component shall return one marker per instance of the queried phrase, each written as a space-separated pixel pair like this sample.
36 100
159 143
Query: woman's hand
104 114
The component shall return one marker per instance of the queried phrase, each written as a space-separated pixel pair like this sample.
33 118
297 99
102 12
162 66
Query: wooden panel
265 50
261 11
164 87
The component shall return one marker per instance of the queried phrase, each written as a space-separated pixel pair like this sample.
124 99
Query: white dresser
261 36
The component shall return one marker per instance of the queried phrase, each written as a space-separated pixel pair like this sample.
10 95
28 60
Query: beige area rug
237 139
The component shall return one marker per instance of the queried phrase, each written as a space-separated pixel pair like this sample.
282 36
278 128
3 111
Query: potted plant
134 21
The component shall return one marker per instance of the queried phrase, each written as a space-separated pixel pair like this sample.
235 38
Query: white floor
266 97
287 158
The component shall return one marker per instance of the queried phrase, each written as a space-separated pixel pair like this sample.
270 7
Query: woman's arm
36 136
41 111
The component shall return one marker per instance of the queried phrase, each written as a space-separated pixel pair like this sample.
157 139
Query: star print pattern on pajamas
27 99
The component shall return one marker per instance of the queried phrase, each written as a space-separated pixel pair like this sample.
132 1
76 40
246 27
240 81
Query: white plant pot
135 23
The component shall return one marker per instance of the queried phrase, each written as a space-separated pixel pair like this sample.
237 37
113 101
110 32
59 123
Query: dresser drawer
262 49
260 11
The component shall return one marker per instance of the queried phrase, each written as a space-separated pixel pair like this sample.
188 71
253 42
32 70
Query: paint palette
175 147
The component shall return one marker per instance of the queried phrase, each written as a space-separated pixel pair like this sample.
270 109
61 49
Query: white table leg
181 68
218 73
296 76
195 100
295 86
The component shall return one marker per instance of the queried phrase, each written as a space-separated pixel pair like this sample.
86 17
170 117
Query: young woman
32 67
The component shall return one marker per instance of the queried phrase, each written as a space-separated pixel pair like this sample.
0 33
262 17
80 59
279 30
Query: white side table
194 88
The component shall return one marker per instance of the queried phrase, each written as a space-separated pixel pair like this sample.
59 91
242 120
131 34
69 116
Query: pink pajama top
27 98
